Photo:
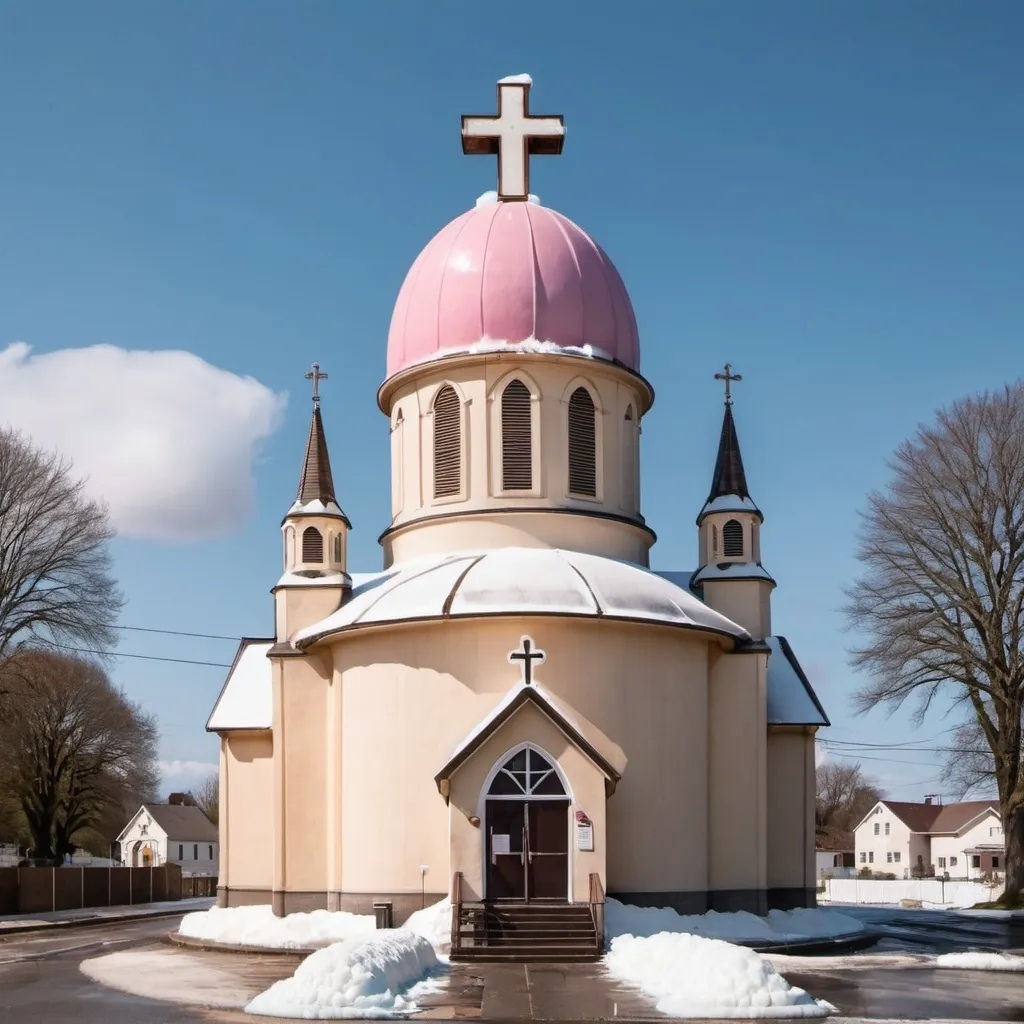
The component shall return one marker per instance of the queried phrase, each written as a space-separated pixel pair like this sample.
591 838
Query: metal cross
515 134
316 376
728 377
527 655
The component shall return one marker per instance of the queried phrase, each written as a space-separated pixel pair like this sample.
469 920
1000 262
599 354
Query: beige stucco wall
585 783
246 781
408 696
746 602
300 773
479 382
790 807
737 739
298 606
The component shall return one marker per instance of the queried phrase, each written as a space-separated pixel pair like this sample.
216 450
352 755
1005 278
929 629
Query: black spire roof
729 477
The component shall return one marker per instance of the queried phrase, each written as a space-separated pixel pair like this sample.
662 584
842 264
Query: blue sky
826 195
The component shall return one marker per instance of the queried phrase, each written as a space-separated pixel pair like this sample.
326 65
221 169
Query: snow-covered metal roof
791 698
247 700
730 571
728 503
519 581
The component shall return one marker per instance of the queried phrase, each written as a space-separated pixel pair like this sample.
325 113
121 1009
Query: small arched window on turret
582 444
732 539
447 443
337 548
516 438
312 545
714 540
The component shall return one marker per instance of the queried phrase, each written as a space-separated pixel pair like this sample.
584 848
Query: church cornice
513 355
638 524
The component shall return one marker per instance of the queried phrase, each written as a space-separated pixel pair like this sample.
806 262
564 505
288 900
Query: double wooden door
527 850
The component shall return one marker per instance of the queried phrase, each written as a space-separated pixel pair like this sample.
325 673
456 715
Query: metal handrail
456 910
597 908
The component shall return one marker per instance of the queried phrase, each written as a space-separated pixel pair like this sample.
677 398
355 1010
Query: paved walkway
11 923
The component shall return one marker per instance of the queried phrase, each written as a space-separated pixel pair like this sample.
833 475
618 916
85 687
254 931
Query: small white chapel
516 705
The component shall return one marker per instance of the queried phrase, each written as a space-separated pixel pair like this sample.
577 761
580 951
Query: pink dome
512 272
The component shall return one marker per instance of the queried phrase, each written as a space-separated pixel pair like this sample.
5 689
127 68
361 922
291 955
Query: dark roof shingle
185 823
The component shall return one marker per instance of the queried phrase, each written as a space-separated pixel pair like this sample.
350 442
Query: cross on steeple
527 655
316 376
515 134
728 377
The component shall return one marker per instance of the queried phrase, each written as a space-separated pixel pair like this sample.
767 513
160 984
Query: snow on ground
778 926
981 961
369 976
689 976
257 926
434 923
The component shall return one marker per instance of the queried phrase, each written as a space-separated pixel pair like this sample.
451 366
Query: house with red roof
962 840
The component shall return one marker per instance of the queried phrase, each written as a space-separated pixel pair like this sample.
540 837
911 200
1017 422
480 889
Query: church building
516 706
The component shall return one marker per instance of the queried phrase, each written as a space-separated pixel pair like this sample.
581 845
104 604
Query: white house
834 863
963 840
170 834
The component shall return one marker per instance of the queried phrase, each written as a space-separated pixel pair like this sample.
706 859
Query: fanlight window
447 443
516 438
527 774
582 444
312 545
732 538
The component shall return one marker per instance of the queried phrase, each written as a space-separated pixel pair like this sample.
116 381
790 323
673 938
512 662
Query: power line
144 657
178 632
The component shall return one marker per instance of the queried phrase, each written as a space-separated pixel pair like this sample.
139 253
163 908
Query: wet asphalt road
40 982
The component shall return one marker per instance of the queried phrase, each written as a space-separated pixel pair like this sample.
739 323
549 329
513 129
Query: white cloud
186 770
820 754
166 439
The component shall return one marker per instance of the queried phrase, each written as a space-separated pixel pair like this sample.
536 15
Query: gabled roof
932 819
246 699
516 698
181 824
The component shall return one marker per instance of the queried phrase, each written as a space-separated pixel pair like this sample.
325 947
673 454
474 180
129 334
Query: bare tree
941 599
843 796
55 582
73 750
206 796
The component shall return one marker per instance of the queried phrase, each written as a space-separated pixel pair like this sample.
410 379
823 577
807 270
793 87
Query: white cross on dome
514 135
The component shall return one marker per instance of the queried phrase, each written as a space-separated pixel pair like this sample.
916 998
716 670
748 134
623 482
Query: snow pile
522 79
779 926
693 977
371 976
434 923
257 926
491 197
981 961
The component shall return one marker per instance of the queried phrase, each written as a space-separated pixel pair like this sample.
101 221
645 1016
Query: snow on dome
523 79
517 272
471 583
489 198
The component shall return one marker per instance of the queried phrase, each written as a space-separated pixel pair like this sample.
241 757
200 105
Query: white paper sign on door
500 844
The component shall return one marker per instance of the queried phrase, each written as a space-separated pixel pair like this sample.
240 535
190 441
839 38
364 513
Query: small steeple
729 477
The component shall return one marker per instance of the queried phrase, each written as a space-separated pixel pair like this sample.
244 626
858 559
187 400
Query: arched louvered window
312 545
398 464
582 444
516 438
337 548
732 539
447 443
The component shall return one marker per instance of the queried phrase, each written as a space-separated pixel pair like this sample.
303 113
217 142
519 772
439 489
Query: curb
88 922
209 946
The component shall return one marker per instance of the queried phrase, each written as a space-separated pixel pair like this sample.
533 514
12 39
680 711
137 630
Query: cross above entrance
527 654
515 135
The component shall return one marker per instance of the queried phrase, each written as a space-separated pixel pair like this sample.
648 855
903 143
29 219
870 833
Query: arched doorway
527 829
